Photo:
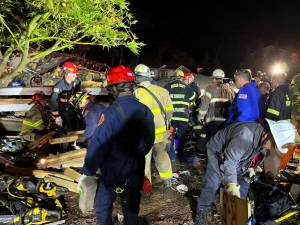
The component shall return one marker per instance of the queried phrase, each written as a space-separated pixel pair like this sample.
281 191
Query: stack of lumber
64 160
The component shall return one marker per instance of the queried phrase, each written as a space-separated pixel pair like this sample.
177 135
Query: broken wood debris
63 160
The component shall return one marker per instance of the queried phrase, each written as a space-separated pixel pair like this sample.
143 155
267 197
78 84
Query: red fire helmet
70 67
120 74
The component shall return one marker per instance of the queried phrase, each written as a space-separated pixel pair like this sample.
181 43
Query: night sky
213 33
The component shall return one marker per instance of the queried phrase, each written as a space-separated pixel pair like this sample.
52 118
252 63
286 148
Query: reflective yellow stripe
166 175
219 100
169 108
198 127
273 111
207 94
194 96
180 119
180 110
180 103
286 216
203 135
219 119
34 125
202 112
160 130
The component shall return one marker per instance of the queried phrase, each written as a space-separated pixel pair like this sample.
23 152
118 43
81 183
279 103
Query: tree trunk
21 66
5 59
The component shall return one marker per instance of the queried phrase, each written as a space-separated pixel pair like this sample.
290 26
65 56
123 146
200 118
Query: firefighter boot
201 217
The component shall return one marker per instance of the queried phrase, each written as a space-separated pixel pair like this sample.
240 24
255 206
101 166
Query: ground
162 207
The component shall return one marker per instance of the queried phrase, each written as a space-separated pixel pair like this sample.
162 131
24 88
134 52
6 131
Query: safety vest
161 132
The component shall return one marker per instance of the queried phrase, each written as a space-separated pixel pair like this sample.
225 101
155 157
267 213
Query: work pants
178 143
212 182
130 202
162 161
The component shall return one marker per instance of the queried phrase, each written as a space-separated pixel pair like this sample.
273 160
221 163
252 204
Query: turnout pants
162 161
130 202
178 142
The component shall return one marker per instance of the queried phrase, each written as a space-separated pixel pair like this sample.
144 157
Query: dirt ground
162 207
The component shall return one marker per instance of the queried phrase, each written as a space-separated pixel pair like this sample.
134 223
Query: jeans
212 182
130 201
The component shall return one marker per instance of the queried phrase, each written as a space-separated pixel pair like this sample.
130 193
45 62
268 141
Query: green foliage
61 24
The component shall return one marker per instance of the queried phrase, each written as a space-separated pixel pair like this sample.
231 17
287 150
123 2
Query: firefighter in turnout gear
182 97
279 106
215 103
124 136
234 150
159 102
63 91
36 120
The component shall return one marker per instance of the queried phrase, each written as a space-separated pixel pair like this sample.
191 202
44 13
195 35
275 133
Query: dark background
213 34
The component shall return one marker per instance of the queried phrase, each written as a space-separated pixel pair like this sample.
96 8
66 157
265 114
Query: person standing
125 134
159 102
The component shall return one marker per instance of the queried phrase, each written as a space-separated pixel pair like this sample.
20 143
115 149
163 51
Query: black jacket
65 89
235 147
279 106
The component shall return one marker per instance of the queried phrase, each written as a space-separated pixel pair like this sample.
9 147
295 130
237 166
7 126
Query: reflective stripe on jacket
214 105
161 132
182 96
280 104
33 120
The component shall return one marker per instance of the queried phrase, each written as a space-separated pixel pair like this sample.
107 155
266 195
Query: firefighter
247 105
124 136
159 102
92 115
215 103
63 91
279 105
232 152
182 98
36 120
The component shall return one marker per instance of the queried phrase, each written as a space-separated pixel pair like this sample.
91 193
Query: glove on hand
87 186
251 172
233 189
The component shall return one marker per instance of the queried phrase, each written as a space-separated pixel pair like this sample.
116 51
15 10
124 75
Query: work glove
251 172
87 186
233 189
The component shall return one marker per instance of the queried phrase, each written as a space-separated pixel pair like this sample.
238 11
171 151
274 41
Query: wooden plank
15 108
235 211
41 141
71 186
54 141
44 173
10 101
73 174
23 91
68 159
78 132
